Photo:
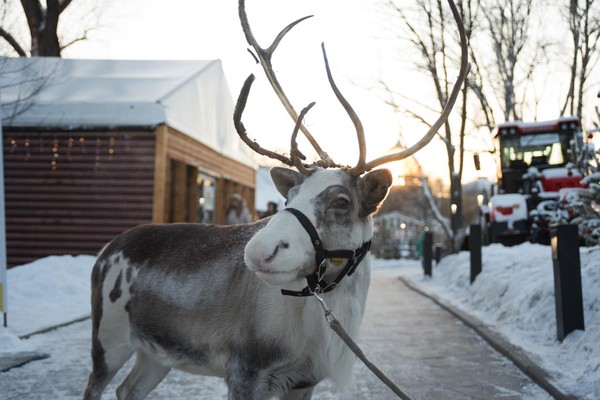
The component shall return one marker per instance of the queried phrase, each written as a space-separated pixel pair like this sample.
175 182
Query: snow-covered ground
48 291
513 295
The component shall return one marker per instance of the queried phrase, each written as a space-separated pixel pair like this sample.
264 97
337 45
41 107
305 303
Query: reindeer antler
360 133
464 70
241 129
295 154
264 58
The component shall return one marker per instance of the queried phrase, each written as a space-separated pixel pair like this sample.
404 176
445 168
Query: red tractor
538 162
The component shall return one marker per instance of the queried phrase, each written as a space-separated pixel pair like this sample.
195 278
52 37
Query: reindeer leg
242 382
144 377
299 394
105 366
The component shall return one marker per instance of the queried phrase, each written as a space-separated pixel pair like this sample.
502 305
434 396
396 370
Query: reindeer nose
280 245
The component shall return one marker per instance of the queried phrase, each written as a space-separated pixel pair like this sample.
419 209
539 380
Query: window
534 150
206 198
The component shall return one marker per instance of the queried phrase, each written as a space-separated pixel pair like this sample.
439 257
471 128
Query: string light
27 145
70 145
55 155
111 148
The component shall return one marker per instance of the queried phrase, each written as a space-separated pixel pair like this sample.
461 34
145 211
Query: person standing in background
237 212
271 209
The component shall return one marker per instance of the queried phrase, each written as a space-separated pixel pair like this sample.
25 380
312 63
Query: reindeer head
337 205
326 202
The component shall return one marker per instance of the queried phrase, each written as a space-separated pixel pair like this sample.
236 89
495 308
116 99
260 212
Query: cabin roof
191 96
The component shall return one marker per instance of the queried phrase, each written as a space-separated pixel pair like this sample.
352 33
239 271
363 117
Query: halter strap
315 280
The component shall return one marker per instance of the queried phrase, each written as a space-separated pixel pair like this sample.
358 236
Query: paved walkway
421 347
431 354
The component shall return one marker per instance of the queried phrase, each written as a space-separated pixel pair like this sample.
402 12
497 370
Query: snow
436 211
591 178
513 296
49 291
538 124
560 173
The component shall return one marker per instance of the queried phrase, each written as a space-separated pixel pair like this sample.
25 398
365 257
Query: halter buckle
321 269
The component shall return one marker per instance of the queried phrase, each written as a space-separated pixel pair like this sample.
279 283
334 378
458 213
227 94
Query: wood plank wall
72 192
232 176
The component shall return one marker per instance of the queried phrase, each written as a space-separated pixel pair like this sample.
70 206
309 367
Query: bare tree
429 31
477 84
426 198
44 37
583 17
515 55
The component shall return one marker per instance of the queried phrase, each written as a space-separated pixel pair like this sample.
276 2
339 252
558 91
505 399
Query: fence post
427 252
567 279
475 250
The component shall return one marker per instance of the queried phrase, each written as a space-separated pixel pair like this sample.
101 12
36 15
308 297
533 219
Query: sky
360 47
361 37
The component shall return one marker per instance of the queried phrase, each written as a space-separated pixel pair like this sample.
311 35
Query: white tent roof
190 96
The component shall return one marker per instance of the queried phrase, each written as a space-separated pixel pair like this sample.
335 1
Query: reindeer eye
341 203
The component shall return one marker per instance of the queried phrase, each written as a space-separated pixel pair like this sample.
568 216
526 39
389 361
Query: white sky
360 48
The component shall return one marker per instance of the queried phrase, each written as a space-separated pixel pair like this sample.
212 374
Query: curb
19 359
54 327
498 343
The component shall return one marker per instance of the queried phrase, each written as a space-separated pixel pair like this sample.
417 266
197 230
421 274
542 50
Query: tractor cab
536 161
549 147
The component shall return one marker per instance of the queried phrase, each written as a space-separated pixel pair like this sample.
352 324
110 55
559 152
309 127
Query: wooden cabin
95 147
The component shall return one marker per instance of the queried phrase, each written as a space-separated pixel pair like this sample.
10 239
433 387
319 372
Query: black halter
315 281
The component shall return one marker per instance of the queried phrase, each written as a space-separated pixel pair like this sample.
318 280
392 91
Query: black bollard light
438 253
567 279
427 252
475 250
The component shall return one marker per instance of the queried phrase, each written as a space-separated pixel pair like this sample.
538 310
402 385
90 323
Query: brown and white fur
206 299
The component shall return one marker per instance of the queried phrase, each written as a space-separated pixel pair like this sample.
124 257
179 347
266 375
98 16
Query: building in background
397 234
94 147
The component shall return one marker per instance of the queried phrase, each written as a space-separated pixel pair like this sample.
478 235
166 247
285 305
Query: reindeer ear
374 187
285 179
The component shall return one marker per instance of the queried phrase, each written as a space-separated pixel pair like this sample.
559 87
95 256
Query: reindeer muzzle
315 281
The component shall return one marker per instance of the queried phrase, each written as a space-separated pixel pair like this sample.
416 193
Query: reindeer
235 301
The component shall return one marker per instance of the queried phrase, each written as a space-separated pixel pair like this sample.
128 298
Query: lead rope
339 330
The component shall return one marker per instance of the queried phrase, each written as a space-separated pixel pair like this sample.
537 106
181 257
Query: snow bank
45 293
514 295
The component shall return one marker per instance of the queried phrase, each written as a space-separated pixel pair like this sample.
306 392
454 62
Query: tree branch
79 39
12 42
63 5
